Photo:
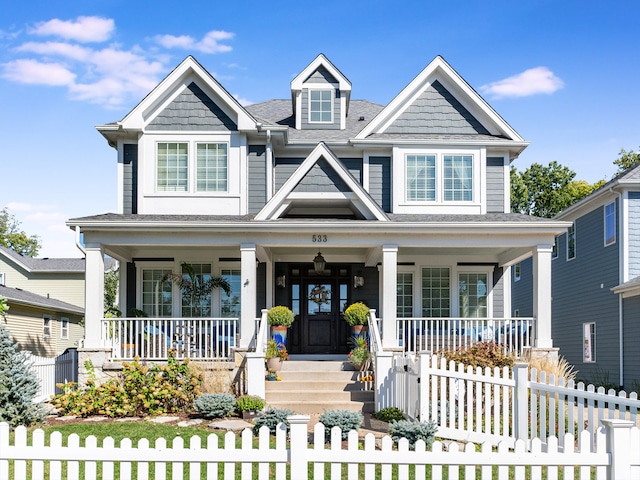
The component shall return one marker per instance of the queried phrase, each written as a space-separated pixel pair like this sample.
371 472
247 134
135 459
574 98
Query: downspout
269 165
78 244
620 281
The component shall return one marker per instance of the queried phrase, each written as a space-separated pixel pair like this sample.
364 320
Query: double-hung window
404 306
439 178
211 167
436 292
610 224
320 106
173 167
571 242
46 326
64 328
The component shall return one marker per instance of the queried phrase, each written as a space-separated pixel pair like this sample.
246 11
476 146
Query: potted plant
280 318
275 354
359 356
249 406
357 315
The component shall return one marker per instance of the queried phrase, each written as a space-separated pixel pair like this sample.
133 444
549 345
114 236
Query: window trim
64 328
555 248
571 232
2 278
226 167
589 356
439 176
606 216
517 272
332 98
412 295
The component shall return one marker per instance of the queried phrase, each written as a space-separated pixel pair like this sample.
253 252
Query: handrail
375 343
261 338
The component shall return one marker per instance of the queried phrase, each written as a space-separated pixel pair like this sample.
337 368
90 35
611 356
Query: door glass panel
319 298
404 296
295 299
473 288
230 304
343 297
157 292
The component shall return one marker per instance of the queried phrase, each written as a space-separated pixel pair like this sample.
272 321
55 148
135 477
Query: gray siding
495 185
631 312
192 110
130 179
634 234
354 165
380 181
437 111
581 293
522 290
322 178
257 178
498 293
284 168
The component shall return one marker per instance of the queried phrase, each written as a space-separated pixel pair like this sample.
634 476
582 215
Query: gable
436 110
321 178
192 109
321 75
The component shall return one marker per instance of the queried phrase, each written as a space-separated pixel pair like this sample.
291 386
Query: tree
544 191
18 385
111 278
12 237
626 160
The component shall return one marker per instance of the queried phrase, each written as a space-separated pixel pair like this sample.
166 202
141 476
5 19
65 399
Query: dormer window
321 106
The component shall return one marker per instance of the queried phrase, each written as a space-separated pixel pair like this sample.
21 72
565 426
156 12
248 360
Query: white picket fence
45 370
503 404
617 456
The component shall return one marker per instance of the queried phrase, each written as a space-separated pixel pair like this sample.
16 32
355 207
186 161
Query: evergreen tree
18 385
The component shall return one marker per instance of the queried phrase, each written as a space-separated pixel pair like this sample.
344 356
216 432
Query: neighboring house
42 325
60 278
404 206
596 283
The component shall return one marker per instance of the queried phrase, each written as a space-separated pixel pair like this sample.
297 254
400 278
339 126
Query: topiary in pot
356 314
280 316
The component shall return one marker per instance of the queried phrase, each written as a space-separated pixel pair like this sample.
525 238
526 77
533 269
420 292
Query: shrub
18 385
389 414
138 391
249 403
413 431
215 405
271 418
557 366
356 314
280 316
345 419
480 354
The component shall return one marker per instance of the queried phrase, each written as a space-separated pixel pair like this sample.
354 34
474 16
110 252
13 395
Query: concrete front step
313 386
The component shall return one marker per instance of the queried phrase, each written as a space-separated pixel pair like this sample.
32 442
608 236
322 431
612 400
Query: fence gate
66 367
407 374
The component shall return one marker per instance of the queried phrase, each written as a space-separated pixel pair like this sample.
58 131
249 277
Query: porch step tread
317 366
319 375
312 385
326 396
312 406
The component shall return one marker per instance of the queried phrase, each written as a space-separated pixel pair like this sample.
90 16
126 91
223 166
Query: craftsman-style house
314 202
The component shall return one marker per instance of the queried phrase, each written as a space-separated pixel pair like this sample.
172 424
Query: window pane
172 167
196 290
473 294
230 304
211 167
421 178
571 242
610 224
156 292
435 292
458 178
320 106
405 295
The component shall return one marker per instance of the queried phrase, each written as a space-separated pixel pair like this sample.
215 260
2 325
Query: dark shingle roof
27 298
68 265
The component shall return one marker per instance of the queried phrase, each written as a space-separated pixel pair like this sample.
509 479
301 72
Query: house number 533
319 238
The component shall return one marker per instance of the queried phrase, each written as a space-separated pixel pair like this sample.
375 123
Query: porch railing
433 334
152 338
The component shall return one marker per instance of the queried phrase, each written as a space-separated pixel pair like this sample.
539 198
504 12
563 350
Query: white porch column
389 298
248 279
94 295
542 295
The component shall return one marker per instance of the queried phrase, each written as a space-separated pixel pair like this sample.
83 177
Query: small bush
249 403
215 405
345 419
389 414
413 431
480 354
271 418
280 316
557 366
356 314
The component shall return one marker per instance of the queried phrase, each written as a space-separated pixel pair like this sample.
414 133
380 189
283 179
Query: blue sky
564 74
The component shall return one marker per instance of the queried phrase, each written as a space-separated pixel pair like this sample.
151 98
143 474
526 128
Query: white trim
2 279
343 83
46 327
64 332
624 237
321 88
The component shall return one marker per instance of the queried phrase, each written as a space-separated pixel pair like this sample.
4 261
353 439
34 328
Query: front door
319 300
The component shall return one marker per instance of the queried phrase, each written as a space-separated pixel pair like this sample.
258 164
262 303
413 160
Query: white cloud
38 73
27 207
243 101
61 49
83 29
208 44
530 82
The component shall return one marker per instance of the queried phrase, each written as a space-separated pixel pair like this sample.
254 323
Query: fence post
520 400
298 446
618 443
255 374
424 357
385 395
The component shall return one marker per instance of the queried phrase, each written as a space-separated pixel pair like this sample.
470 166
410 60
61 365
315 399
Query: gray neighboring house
596 283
